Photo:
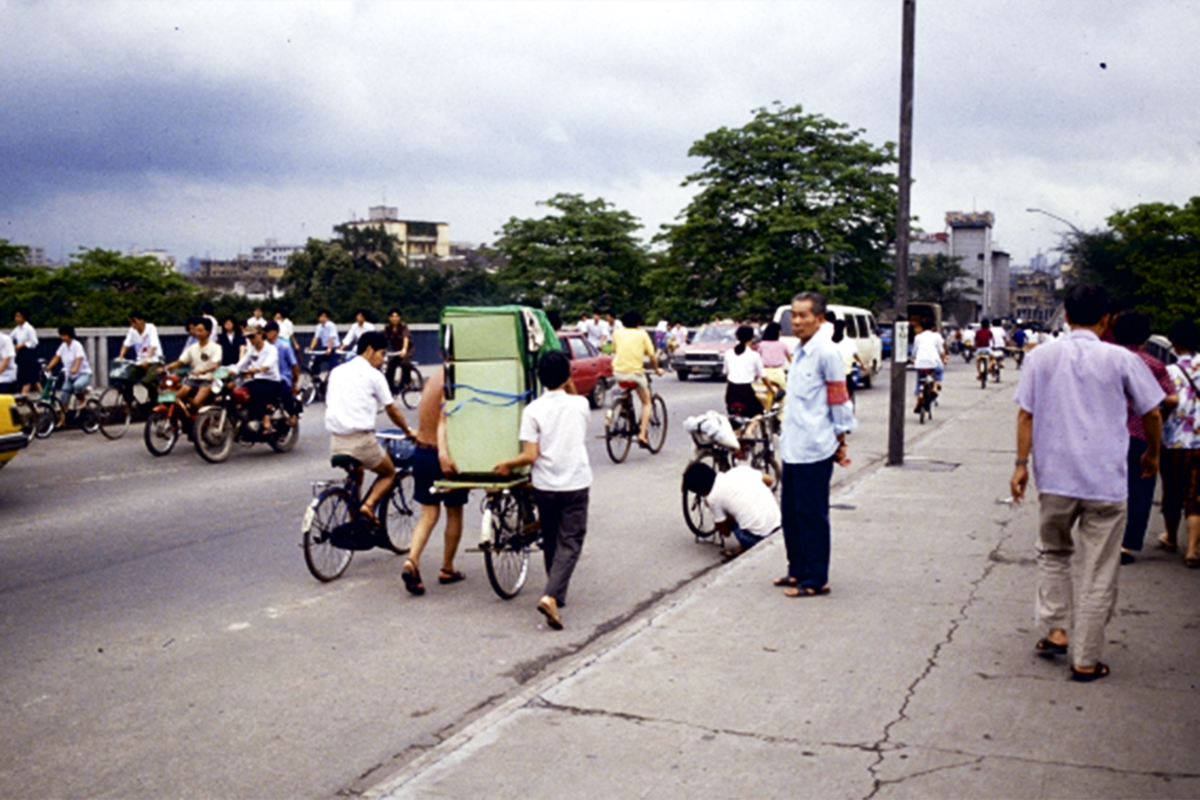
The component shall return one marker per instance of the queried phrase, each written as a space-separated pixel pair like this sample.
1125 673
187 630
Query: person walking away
202 359
743 366
432 462
25 342
289 371
147 353
816 419
1181 461
1131 330
262 363
1073 396
356 394
775 357
741 502
631 347
77 371
554 441
8 365
929 355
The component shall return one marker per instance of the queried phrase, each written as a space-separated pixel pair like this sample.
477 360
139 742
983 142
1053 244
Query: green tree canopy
100 288
937 280
790 201
1148 258
582 257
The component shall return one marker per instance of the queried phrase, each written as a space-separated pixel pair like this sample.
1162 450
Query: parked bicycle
333 530
757 440
228 421
621 425
405 380
927 393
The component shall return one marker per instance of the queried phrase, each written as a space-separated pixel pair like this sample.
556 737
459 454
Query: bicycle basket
121 371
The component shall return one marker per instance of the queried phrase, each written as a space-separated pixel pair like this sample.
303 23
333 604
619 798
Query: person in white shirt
554 440
743 366
8 365
929 355
25 342
257 318
147 352
202 358
357 391
678 337
741 502
360 326
77 372
261 361
287 330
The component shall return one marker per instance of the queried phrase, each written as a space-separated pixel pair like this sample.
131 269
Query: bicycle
982 368
997 366
621 425
411 382
927 396
124 399
510 529
761 452
50 413
333 530
312 384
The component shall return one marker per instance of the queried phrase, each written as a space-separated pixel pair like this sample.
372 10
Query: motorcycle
229 421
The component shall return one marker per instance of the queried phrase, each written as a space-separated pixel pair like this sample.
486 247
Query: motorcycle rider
262 362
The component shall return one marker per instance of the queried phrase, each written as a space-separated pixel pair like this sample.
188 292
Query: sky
206 128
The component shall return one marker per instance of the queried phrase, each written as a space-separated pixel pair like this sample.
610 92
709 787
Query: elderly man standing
1074 395
816 418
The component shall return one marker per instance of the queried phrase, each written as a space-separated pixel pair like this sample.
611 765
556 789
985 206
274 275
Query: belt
423 446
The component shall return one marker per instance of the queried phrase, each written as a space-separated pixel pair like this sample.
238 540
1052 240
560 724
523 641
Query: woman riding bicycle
743 366
631 346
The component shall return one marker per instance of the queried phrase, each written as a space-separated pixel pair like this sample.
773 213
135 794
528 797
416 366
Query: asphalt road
160 634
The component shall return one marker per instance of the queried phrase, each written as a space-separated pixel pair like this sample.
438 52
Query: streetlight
1054 216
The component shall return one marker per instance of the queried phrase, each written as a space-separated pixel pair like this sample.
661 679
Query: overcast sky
204 129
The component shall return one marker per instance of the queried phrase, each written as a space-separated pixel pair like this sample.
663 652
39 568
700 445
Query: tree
790 201
936 280
1148 258
580 258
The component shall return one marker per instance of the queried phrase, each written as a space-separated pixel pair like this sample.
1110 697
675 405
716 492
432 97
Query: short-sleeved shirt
810 424
1078 389
745 368
774 353
286 330
395 337
327 335
287 360
557 422
1182 428
257 359
145 343
740 493
983 339
69 353
25 334
357 393
631 346
355 333
928 347
202 361
9 373
1134 422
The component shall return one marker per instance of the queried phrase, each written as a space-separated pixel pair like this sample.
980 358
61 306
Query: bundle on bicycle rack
712 427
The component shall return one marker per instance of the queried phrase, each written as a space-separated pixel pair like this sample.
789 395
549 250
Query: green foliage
580 258
791 201
1149 258
935 280
99 288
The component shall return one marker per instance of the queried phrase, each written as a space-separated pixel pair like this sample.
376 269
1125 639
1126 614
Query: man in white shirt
741 502
8 365
929 355
77 372
357 391
356 331
257 318
25 342
261 361
554 440
202 358
147 352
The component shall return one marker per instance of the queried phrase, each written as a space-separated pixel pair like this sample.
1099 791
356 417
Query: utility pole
900 302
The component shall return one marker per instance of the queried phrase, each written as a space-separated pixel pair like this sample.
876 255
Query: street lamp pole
1054 216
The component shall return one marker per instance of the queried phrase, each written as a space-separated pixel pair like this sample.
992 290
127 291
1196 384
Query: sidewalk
915 678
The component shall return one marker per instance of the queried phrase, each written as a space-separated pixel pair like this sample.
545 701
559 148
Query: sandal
366 513
450 576
806 591
731 553
1101 671
1048 649
1192 563
787 580
412 578
1166 544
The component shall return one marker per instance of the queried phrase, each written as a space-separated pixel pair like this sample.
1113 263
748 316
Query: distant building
161 256
241 276
275 252
986 266
36 257
419 241
1034 296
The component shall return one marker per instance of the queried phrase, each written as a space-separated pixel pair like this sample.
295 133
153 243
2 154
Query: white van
860 326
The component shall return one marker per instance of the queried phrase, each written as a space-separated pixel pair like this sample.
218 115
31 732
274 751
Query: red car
591 370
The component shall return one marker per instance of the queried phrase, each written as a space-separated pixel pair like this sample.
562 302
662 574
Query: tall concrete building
419 241
986 266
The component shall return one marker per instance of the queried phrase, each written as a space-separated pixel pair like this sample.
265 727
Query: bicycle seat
627 384
345 462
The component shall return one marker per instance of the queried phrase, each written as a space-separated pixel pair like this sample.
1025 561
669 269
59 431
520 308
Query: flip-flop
787 580
1166 544
445 576
1048 649
1192 563
1101 671
806 591
412 579
731 554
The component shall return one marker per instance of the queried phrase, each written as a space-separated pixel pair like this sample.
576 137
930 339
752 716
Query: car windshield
711 334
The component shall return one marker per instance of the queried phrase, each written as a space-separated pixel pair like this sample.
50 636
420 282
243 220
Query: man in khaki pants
1074 394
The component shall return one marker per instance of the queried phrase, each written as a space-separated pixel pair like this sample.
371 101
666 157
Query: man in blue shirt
324 342
289 372
816 418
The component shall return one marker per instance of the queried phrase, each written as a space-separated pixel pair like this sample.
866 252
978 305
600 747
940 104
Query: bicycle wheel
507 557
161 432
400 513
657 433
410 392
696 513
982 369
89 416
307 389
619 430
46 419
214 434
114 413
330 509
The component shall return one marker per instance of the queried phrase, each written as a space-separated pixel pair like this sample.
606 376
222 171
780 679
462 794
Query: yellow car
14 433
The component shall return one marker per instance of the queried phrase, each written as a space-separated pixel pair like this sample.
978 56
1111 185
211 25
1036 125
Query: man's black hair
1184 334
1131 328
271 326
366 314
699 478
66 330
985 323
631 319
372 339
135 314
324 311
554 369
1086 304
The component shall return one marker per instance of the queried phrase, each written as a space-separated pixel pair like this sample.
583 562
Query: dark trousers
1141 497
805 507
564 524
262 393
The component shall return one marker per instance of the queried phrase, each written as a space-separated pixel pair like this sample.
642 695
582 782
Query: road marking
238 626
